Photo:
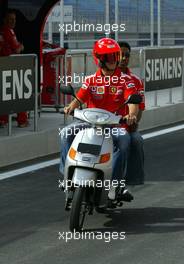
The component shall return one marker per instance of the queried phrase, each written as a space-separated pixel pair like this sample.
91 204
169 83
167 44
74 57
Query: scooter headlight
96 117
72 153
105 158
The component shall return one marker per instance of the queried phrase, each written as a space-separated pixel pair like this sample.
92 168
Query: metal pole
137 15
85 64
182 96
9 125
116 18
59 75
61 22
107 15
36 96
65 74
152 22
142 58
142 63
50 29
170 96
155 99
159 24
56 80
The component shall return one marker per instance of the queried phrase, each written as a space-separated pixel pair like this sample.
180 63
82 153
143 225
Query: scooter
88 166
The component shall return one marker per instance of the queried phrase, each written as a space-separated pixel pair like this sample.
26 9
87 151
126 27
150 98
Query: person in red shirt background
10 45
107 89
135 167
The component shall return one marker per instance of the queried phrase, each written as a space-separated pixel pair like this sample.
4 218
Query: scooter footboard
84 177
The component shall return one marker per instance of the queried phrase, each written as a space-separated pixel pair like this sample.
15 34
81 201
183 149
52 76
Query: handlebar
62 112
72 113
123 121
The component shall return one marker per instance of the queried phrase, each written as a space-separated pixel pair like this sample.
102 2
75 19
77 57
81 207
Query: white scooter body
89 145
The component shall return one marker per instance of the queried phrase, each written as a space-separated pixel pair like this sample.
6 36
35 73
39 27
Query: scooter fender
84 177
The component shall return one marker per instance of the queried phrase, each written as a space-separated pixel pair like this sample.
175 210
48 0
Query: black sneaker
126 196
111 203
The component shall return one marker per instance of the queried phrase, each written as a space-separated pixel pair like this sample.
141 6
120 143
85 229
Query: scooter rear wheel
78 210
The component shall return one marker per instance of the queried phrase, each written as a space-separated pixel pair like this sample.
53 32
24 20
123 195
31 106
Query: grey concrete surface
25 144
32 216
159 116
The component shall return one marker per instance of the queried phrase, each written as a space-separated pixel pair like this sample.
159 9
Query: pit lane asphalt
32 215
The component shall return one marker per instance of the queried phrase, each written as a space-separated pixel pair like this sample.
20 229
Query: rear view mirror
67 90
70 91
134 99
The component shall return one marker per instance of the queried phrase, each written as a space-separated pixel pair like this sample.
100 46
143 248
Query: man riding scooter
107 89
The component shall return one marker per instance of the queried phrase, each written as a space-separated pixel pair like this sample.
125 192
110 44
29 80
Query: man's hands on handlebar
130 119
70 108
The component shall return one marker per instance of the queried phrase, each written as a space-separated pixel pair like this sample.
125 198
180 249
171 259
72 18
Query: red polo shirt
139 86
9 42
107 92
8 46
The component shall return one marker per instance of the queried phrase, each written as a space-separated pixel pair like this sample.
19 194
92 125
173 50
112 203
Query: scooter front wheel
78 210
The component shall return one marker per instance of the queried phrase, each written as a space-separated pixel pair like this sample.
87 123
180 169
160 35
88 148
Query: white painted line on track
163 131
49 163
27 169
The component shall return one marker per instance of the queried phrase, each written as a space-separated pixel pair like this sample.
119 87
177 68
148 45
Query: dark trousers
135 169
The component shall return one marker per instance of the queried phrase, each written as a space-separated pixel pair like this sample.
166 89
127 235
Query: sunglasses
110 58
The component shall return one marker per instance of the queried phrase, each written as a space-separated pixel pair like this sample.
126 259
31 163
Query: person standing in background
10 45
